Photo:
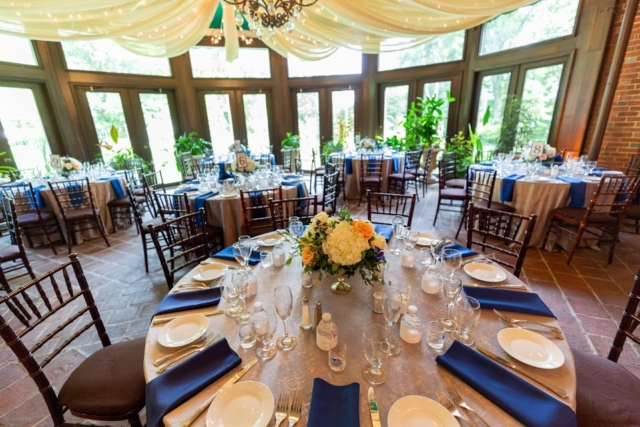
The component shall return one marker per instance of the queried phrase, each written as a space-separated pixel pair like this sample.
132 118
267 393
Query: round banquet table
352 180
413 372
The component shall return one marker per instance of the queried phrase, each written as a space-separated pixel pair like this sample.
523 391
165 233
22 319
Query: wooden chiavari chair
255 209
400 180
370 173
304 208
422 173
383 207
449 194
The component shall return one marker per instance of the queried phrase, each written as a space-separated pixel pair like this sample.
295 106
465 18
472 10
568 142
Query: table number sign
537 148
241 160
54 160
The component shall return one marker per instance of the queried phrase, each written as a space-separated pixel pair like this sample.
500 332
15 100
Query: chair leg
102 230
415 184
547 233
437 210
27 234
134 421
463 219
48 237
113 220
637 226
576 242
69 237
615 239
144 249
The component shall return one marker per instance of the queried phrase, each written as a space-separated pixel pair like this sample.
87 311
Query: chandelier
270 14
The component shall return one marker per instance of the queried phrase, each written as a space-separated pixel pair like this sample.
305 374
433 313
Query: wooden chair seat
110 382
32 218
496 206
456 183
403 176
81 214
575 215
371 179
9 253
124 202
139 192
453 193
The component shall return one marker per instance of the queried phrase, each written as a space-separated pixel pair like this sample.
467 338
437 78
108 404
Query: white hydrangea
344 246
321 217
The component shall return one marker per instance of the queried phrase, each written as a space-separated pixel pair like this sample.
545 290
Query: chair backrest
511 231
255 208
11 219
264 159
170 205
371 165
330 188
73 194
304 208
180 243
449 166
184 161
612 196
633 168
484 156
204 166
58 323
134 177
287 153
426 159
131 164
386 206
629 322
152 182
338 160
412 161
23 198
480 185
135 207
18 174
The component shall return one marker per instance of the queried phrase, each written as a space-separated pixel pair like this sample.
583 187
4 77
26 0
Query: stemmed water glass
398 230
263 326
591 166
239 280
466 314
391 309
450 289
284 305
438 243
237 253
230 295
375 340
245 251
451 261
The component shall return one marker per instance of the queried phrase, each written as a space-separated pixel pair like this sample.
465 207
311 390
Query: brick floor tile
589 307
595 325
11 373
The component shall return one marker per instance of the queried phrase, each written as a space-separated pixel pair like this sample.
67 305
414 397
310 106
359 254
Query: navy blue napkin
181 301
396 165
76 196
348 165
177 385
223 174
116 185
199 203
517 397
576 191
193 181
385 230
506 189
335 406
502 299
227 253
464 251
292 176
301 192
598 171
36 196
256 199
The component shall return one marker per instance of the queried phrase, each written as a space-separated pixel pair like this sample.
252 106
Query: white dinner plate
210 272
269 240
530 348
485 272
244 404
591 178
424 239
183 330
542 179
419 411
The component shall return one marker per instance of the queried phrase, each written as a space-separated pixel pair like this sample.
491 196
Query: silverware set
289 406
457 400
169 361
156 322
498 286
555 331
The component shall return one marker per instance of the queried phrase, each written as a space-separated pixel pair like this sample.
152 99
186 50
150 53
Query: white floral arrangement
251 165
341 246
69 164
548 154
367 144
239 149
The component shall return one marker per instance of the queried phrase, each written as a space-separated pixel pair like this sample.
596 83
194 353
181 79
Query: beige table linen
413 372
352 181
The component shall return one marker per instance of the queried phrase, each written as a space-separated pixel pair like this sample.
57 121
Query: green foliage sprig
423 120
291 141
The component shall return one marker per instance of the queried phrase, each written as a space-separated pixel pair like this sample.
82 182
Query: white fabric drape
168 28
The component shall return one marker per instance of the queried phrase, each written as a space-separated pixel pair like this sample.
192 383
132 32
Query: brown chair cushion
496 206
453 193
633 212
576 214
607 393
79 214
400 175
110 382
9 253
32 218
138 192
456 183
371 179
122 202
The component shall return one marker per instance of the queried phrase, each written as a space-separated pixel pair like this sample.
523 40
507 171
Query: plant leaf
114 134
487 116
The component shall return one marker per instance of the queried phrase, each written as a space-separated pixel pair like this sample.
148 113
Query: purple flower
379 254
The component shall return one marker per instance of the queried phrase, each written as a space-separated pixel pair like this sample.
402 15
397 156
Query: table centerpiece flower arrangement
547 156
68 165
367 144
249 168
341 246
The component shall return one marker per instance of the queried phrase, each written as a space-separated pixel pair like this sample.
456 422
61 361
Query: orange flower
307 256
364 228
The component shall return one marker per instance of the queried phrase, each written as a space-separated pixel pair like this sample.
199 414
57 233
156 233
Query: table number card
241 160
54 160
537 149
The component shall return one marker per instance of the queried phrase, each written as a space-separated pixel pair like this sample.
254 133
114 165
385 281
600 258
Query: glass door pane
257 121
441 89
160 133
23 127
106 111
493 94
342 106
396 102
539 94
309 126
219 118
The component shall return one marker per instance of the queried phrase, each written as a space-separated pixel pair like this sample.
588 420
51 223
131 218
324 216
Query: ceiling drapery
167 28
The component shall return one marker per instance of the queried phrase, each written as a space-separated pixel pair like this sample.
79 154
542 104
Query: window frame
416 67
265 80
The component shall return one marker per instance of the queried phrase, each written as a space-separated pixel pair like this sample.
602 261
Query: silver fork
514 321
444 401
281 409
457 399
295 411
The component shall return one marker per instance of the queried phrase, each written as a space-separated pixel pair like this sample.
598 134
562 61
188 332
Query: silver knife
476 285
168 319
560 392
373 408
226 385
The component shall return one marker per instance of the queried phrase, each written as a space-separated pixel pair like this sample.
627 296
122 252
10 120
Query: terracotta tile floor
588 297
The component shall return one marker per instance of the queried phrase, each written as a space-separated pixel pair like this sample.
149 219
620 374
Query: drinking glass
230 295
264 330
338 357
451 261
591 166
425 256
391 309
237 253
450 289
438 243
297 228
466 314
265 259
375 340
412 237
284 305
398 229
239 280
245 251
435 335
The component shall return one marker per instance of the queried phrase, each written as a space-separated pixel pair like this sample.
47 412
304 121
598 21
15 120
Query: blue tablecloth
576 191
508 184
116 185
36 196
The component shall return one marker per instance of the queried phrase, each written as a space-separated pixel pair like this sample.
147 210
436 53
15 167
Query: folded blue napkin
301 190
256 198
36 196
223 174
199 203
503 299
348 165
193 181
385 230
396 165
181 383
76 196
181 301
599 171
116 185
273 159
508 184
576 191
292 176
464 251
227 253
185 190
517 397
335 406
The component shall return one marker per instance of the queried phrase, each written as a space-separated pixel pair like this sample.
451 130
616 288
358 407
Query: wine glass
450 290
263 326
284 305
591 166
391 309
245 251
237 253
239 280
451 261
230 295
466 314
375 339
438 243
398 229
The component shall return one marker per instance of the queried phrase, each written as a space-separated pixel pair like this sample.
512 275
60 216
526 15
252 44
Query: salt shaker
278 255
305 322
431 280
410 327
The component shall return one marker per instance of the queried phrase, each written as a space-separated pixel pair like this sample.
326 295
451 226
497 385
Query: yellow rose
307 256
364 228
321 217
379 242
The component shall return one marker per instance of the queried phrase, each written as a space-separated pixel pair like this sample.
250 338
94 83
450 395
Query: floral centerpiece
341 246
548 154
68 165
240 148
367 144
249 167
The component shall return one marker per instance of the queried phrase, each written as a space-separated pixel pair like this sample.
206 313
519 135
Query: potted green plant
293 142
121 158
345 127
189 143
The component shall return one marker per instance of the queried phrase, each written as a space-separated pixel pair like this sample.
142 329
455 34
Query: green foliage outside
467 148
189 143
517 125
345 127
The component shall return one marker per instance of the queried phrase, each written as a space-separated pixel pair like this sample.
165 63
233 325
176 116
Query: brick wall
622 135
